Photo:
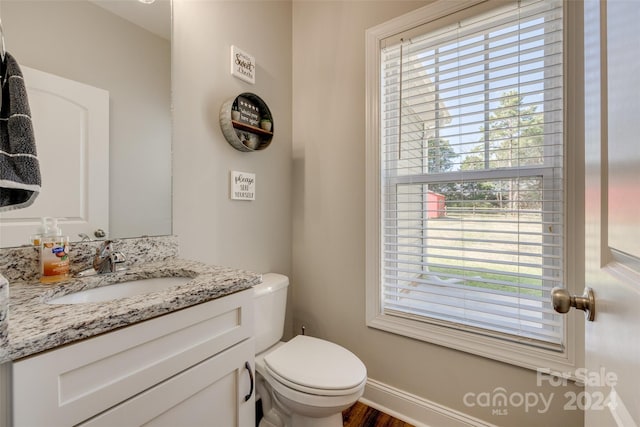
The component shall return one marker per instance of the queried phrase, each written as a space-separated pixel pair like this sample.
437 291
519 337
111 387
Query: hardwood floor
361 415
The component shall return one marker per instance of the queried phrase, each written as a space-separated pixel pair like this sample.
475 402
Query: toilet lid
312 363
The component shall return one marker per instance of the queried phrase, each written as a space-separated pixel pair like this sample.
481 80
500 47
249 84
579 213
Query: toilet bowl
305 382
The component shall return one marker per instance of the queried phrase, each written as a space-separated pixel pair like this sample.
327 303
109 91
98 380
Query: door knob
563 301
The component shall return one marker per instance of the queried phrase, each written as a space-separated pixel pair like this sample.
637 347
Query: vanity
181 355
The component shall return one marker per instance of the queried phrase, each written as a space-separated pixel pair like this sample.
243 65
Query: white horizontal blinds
472 156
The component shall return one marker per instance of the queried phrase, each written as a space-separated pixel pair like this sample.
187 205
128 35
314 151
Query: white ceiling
154 17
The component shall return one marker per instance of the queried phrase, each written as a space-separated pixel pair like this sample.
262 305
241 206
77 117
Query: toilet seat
314 366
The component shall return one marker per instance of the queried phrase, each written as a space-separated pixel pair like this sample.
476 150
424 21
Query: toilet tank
269 305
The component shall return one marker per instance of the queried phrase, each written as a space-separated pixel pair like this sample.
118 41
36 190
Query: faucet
107 258
84 237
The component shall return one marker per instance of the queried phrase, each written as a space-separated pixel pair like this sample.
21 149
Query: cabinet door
212 393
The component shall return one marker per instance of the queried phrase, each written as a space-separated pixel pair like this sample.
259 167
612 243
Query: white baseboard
415 410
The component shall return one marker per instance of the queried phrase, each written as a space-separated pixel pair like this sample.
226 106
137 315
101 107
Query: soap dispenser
54 254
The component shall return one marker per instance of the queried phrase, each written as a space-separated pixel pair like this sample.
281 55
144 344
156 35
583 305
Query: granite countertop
35 326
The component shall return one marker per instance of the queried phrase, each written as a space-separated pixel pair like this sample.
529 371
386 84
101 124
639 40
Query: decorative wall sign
246 122
249 111
243 186
243 65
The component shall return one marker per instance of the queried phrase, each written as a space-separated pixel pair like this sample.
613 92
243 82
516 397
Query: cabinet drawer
73 383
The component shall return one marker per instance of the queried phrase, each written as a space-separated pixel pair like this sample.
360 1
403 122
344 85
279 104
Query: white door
71 125
612 107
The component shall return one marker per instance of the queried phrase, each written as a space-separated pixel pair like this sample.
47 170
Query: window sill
514 353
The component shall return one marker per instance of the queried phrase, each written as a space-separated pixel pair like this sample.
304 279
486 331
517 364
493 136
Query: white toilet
305 382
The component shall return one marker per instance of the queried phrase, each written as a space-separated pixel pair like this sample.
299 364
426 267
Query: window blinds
472 174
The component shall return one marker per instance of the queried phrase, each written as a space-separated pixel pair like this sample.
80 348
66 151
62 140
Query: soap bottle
54 254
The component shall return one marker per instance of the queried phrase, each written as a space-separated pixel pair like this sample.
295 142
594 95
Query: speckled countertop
34 326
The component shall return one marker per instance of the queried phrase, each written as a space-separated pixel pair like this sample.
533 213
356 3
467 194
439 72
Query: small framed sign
243 65
243 186
249 111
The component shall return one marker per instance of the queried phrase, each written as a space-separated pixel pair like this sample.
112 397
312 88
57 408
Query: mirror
123 47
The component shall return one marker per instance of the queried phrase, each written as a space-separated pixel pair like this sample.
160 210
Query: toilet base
334 420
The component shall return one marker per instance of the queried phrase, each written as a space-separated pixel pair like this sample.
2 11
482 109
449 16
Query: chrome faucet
106 258
84 237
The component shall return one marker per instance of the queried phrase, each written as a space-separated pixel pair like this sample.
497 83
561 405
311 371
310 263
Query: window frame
512 352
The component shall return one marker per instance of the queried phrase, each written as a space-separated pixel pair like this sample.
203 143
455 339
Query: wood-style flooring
361 415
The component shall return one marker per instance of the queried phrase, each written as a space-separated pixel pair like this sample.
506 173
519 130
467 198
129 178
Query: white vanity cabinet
192 367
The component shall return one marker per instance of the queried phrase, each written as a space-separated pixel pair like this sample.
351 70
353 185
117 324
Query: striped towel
19 166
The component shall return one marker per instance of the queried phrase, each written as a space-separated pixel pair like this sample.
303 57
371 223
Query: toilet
305 382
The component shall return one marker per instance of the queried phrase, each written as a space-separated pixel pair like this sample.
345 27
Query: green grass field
494 251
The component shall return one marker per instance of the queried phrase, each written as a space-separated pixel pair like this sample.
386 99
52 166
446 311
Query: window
466 178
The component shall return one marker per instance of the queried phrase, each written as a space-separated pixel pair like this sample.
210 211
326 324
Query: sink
120 290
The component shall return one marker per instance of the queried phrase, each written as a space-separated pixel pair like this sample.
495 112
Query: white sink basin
120 290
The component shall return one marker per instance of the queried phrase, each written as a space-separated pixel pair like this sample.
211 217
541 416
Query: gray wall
254 235
80 41
329 230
